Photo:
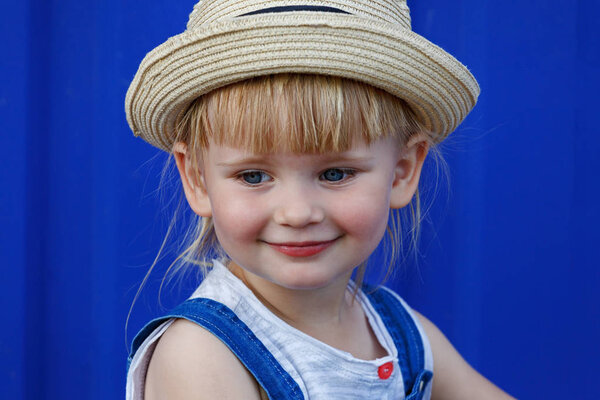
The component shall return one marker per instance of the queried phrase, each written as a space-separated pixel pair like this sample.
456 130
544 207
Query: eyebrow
345 157
327 158
242 161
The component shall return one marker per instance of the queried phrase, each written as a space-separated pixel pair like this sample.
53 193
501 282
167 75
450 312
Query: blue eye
254 177
335 174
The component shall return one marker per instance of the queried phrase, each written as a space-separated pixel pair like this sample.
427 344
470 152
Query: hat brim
440 90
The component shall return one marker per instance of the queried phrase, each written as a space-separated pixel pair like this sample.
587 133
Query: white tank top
321 371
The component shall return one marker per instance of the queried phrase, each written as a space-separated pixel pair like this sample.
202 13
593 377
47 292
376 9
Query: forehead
359 151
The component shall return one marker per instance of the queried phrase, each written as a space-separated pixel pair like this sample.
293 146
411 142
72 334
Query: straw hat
231 40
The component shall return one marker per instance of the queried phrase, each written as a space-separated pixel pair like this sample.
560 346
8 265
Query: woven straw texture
370 42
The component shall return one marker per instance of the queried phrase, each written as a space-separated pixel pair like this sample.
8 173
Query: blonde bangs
295 113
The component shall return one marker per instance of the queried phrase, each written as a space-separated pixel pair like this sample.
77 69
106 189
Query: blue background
508 267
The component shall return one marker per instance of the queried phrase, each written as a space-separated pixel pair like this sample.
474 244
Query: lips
301 249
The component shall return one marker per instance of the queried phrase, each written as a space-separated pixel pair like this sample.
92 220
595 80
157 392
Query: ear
408 170
192 179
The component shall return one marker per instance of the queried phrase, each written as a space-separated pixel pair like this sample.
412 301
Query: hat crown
228 41
388 11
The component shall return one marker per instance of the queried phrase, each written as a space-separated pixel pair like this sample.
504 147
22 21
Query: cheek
236 219
367 217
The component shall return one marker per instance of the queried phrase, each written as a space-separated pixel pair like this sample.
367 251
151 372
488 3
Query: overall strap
222 322
407 338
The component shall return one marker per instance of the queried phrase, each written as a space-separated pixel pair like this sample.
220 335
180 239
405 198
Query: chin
303 280
305 285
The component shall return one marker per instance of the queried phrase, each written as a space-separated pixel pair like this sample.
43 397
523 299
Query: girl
296 127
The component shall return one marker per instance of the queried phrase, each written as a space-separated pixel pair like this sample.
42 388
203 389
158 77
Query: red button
385 371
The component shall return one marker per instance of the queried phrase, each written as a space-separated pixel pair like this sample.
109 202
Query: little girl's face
303 221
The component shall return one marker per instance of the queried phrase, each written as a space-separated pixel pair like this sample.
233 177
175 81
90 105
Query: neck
328 314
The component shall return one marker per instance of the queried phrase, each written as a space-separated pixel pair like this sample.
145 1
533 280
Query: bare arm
191 363
454 378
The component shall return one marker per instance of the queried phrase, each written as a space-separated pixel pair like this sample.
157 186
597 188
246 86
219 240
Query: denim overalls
221 321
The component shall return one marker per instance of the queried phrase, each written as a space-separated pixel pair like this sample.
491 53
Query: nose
297 209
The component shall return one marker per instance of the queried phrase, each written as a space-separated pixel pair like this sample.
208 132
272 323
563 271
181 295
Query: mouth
302 249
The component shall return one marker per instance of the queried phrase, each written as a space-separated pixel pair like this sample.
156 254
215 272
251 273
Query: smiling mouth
301 249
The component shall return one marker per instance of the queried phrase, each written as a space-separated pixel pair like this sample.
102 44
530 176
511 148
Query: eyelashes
330 175
254 177
337 174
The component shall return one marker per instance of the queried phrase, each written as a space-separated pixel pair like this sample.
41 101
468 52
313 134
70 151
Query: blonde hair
297 113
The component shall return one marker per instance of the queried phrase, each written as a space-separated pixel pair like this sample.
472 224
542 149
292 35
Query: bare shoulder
191 363
454 378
